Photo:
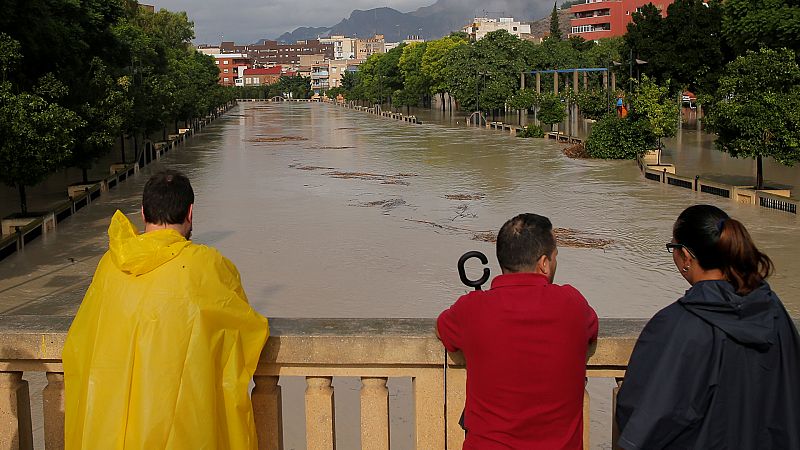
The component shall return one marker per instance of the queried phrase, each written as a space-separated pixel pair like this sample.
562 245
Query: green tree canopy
756 110
752 24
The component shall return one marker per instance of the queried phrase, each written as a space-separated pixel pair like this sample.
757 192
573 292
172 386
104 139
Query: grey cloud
249 20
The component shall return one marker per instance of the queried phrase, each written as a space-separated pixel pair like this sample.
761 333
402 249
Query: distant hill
430 22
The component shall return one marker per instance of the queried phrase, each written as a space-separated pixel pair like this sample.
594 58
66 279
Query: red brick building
260 77
597 19
272 53
229 67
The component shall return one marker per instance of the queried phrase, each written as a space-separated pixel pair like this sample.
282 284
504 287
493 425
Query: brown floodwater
329 212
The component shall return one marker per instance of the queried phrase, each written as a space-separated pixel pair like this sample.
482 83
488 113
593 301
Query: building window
226 62
217 61
226 79
226 70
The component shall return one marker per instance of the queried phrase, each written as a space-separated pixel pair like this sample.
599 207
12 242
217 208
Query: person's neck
709 275
148 227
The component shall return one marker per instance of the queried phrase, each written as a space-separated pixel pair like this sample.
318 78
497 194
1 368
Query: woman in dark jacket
719 368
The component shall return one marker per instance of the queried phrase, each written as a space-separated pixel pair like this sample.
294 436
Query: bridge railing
372 350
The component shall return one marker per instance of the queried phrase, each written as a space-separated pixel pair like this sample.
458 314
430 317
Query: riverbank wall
775 199
16 232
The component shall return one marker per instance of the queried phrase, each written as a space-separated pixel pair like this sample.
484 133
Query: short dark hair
166 198
523 240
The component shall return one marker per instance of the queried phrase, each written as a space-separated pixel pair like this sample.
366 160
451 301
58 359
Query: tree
753 24
37 138
594 103
555 28
551 110
434 62
416 85
654 106
756 110
645 40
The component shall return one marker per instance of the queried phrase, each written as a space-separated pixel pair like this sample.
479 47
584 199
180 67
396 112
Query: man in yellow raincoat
164 345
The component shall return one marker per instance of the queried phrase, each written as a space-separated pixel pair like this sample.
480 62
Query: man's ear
142 211
189 214
543 265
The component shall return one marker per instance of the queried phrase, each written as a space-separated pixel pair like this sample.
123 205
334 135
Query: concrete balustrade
372 350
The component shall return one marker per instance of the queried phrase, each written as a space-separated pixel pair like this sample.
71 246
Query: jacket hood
137 254
748 319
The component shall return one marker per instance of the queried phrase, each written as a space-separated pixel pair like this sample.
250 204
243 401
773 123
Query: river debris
386 205
347 128
367 176
332 147
305 167
475 196
577 151
276 139
566 237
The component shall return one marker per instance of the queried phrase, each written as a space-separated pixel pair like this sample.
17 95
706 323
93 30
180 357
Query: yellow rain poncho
162 350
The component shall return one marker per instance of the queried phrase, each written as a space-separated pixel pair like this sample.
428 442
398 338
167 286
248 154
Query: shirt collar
519 279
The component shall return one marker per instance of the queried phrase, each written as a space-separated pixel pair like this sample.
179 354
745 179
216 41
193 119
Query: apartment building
272 53
343 47
597 19
229 67
481 26
367 47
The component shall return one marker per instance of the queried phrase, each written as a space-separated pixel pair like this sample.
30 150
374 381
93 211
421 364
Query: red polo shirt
525 343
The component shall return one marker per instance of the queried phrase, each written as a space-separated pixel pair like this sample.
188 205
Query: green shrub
619 138
531 131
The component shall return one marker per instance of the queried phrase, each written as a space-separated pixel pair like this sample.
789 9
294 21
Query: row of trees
739 56
481 75
78 76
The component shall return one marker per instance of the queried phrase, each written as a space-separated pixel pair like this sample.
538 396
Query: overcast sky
246 21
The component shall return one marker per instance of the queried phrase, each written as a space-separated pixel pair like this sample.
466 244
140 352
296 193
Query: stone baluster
53 411
374 414
586 420
16 432
320 419
268 411
428 388
614 428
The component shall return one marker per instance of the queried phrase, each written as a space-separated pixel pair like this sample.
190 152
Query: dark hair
166 198
718 241
523 240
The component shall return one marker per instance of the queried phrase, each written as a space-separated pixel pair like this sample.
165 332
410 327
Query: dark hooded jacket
714 370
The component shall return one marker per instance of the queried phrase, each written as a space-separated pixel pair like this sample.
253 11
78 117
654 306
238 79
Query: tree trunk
85 173
759 172
164 134
23 199
122 146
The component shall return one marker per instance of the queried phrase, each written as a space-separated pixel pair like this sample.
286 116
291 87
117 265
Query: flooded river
329 212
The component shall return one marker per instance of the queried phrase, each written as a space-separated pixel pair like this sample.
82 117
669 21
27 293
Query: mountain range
428 22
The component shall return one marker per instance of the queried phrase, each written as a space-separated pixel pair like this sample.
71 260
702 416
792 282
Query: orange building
597 19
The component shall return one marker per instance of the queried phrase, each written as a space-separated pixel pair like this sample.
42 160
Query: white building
343 47
480 26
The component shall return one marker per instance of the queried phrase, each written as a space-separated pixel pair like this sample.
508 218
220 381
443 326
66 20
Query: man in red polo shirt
525 343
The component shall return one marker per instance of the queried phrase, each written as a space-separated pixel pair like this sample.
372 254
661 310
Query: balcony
311 351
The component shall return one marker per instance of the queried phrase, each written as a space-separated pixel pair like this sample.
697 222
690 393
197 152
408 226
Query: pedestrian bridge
374 350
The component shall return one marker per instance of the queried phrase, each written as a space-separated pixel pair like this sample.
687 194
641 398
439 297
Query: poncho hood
137 254
748 319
